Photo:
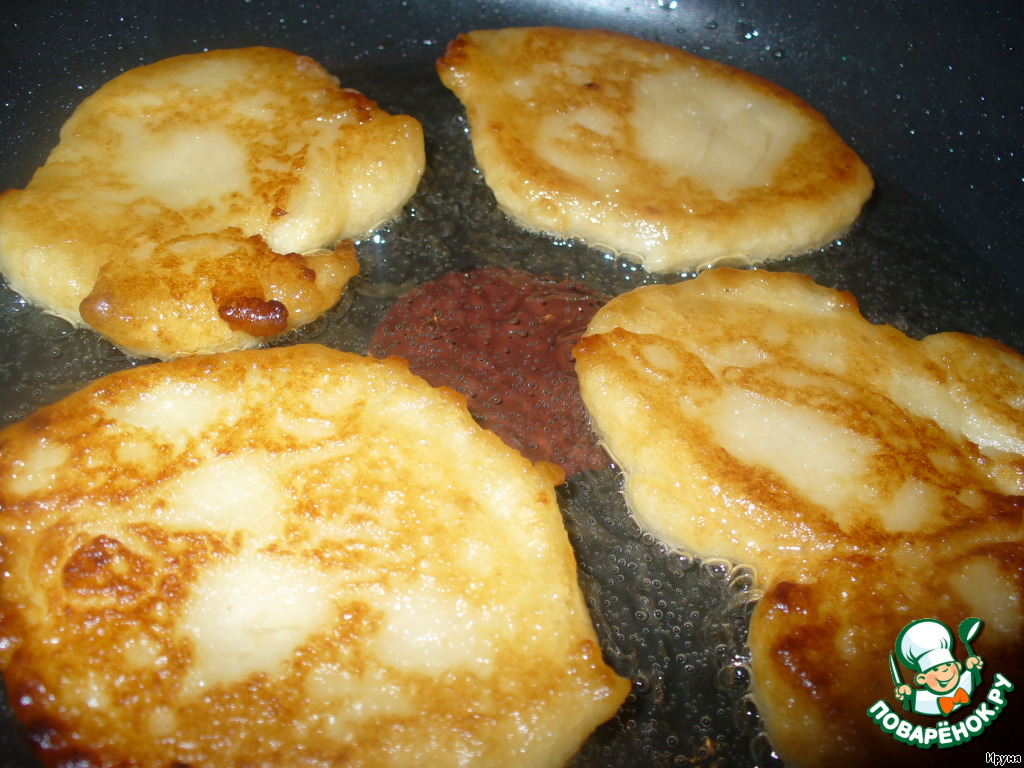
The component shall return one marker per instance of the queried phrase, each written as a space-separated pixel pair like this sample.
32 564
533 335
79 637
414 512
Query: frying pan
929 94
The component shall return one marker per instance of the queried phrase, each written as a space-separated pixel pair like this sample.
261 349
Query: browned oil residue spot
255 316
503 339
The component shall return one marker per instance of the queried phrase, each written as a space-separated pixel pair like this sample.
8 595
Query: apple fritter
760 417
675 161
288 557
189 202
869 478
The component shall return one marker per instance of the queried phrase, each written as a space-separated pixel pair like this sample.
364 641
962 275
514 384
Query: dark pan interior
929 95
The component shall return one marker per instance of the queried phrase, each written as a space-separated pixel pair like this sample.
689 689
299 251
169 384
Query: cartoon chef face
941 678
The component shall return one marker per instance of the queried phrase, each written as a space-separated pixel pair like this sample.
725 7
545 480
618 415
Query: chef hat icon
924 644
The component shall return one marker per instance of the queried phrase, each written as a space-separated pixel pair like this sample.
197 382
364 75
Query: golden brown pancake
179 211
284 557
675 161
759 417
870 479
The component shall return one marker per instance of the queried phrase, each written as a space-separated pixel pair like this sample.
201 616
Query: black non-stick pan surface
930 95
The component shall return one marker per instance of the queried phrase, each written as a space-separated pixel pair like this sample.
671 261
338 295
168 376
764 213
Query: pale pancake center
722 135
249 614
815 455
182 168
